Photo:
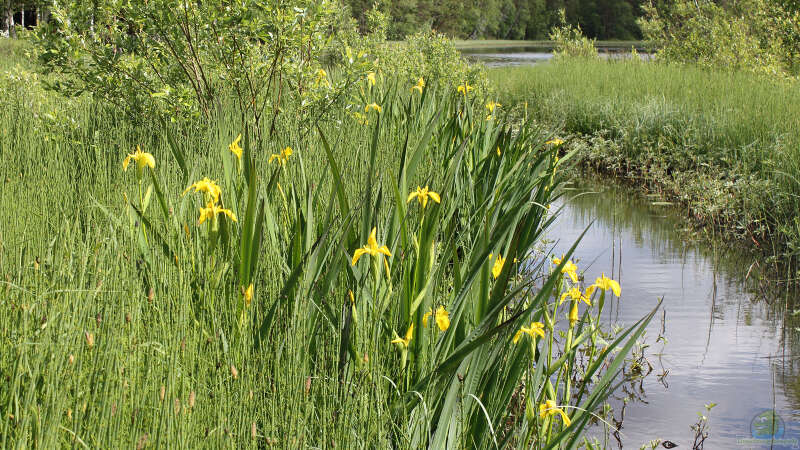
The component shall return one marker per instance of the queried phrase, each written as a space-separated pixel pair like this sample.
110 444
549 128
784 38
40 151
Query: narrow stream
724 344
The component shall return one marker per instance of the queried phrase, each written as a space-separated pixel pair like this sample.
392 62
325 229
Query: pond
725 343
528 55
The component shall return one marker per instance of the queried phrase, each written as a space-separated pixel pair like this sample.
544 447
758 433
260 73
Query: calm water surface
516 56
725 344
521 56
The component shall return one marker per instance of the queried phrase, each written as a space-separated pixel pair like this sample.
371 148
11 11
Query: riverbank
725 146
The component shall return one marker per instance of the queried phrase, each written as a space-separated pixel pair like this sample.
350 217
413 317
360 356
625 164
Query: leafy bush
184 59
570 42
754 35
430 56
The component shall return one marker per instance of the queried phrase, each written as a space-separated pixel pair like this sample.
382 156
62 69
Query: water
521 56
725 344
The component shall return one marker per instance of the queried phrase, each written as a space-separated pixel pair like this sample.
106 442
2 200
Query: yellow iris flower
407 339
371 248
234 147
498 266
464 88
549 408
141 159
606 283
555 142
492 105
371 78
211 211
372 106
576 295
248 294
442 318
419 86
536 329
211 190
422 195
571 270
282 157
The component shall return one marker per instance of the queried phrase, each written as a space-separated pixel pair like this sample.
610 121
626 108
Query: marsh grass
725 144
123 325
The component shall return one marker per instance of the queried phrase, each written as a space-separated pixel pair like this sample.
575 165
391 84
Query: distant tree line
16 14
503 19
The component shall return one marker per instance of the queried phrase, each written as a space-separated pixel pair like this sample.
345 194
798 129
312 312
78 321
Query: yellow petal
357 254
411 196
573 276
564 418
248 294
409 333
498 266
228 213
616 288
385 250
442 318
425 318
125 163
435 197
372 241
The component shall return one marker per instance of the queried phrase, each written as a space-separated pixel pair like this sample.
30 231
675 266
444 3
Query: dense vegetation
503 19
219 241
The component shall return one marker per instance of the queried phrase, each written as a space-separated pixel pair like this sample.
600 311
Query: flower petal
357 254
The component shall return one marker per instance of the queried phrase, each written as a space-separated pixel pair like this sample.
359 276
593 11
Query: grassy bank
725 145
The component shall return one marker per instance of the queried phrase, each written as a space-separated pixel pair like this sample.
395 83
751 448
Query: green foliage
428 55
178 59
754 35
570 42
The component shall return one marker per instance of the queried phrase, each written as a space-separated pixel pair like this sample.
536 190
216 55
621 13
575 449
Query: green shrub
428 55
570 42
753 35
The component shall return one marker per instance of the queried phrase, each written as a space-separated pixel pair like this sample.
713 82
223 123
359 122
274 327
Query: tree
8 17
183 59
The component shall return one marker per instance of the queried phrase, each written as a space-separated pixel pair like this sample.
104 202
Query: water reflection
724 344
520 56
